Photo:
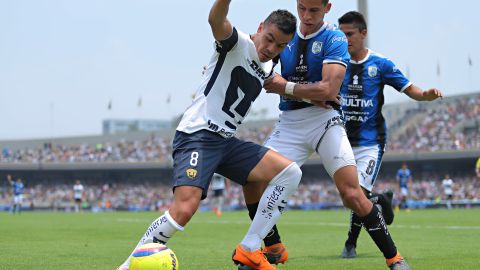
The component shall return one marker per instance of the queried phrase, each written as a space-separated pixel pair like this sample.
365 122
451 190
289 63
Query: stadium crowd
450 127
453 126
312 194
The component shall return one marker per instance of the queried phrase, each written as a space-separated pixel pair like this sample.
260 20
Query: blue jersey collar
325 24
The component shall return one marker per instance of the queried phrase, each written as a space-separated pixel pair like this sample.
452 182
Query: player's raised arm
9 178
418 94
221 26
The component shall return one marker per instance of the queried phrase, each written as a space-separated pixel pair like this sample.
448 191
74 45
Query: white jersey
77 191
232 81
218 182
447 186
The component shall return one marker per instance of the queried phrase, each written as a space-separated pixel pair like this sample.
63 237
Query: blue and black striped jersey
302 61
362 97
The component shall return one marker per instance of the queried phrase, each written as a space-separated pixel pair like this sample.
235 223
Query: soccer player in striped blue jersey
17 190
313 69
404 179
362 101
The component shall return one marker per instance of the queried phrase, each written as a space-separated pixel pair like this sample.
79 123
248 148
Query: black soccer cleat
349 252
387 208
400 265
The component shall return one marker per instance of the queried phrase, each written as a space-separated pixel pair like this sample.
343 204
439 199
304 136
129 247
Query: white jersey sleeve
232 81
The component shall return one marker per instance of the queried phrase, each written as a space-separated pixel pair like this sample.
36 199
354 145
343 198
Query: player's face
355 37
270 41
311 14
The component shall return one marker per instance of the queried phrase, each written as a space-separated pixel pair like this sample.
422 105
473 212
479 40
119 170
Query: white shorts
17 199
300 133
369 159
404 191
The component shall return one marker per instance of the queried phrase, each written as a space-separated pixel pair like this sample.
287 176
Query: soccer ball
153 257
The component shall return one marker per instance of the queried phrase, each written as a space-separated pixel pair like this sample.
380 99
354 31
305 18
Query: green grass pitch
429 239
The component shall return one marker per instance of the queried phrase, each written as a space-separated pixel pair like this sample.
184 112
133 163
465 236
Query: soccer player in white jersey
362 101
78 195
204 141
313 69
447 184
219 186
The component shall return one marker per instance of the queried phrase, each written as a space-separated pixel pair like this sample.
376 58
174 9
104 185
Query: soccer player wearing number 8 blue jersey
204 143
362 101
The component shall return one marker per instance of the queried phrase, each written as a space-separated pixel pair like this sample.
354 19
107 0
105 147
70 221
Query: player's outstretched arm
418 94
9 178
221 27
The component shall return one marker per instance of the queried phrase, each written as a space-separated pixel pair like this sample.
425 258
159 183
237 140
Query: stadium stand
132 171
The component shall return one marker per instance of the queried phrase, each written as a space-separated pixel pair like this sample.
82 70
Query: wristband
307 100
289 88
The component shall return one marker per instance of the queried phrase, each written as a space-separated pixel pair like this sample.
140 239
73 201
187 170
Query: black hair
284 20
354 17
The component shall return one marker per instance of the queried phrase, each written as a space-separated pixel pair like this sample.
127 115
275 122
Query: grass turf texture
429 239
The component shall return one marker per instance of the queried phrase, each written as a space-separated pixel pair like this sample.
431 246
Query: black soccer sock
376 198
355 229
376 227
273 237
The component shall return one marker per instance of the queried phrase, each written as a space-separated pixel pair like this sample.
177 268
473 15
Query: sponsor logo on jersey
341 39
191 173
357 102
257 69
215 128
372 71
290 46
317 47
301 67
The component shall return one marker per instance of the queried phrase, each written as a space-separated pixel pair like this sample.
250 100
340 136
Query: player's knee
289 177
351 198
292 174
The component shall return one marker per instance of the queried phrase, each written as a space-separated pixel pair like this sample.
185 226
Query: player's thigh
248 161
195 159
291 142
335 150
368 159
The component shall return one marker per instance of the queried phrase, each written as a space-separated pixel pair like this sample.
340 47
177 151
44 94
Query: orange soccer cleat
254 260
276 253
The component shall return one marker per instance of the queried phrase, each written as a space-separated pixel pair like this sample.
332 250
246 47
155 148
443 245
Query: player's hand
275 85
9 177
432 94
323 103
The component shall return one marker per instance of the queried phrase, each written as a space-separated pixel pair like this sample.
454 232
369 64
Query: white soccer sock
271 205
220 203
159 231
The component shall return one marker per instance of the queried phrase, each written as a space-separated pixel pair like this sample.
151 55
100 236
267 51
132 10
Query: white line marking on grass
336 224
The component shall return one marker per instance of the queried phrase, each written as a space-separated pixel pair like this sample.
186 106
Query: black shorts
198 155
78 200
217 192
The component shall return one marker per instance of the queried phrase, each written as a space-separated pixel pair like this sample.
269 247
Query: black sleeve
227 44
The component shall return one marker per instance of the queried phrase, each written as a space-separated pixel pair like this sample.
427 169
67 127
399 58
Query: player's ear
328 7
260 27
364 33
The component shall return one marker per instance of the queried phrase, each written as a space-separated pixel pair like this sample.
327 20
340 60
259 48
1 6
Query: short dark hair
354 17
284 20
